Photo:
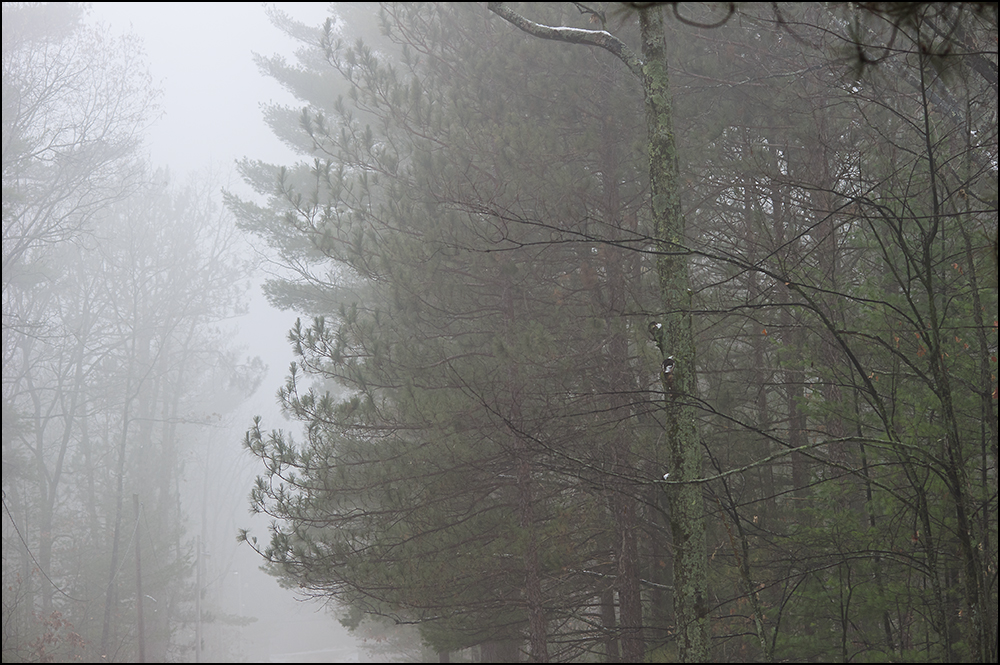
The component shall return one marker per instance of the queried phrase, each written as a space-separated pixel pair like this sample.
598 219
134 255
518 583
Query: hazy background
200 57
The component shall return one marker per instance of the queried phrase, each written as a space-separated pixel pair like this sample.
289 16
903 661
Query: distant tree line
115 283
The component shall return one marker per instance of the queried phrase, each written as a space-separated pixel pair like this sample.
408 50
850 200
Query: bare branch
600 38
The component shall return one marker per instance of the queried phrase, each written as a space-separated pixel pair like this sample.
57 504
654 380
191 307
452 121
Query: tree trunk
674 336
537 624
608 626
620 385
500 651
676 342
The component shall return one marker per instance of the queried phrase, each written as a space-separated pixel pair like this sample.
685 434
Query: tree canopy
649 338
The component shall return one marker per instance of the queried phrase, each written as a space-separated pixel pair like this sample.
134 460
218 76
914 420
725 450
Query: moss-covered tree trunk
676 342
674 336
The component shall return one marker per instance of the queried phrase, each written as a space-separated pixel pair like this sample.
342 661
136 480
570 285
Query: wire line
28 550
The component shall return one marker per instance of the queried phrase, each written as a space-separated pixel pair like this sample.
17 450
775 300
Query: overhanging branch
600 38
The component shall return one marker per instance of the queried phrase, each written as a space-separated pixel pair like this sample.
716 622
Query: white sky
199 55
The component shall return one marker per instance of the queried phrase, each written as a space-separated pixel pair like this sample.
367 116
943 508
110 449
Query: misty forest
621 333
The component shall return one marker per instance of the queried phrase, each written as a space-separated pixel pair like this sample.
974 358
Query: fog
499 332
200 57
208 116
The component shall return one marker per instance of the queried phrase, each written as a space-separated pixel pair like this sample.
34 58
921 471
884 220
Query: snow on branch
599 38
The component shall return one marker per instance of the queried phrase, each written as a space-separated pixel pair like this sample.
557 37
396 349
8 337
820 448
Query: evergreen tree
471 345
482 245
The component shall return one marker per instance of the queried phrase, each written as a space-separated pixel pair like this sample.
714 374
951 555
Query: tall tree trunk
674 336
608 625
676 342
50 490
109 599
793 376
537 624
499 651
620 385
